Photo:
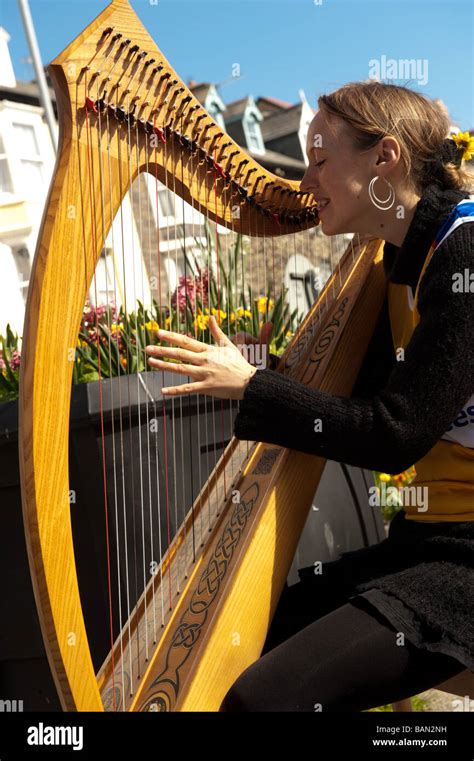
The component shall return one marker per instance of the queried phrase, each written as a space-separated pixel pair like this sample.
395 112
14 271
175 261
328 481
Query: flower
219 315
466 142
15 360
184 291
152 325
201 321
262 305
244 312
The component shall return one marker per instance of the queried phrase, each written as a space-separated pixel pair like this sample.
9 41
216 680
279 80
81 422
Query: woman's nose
305 184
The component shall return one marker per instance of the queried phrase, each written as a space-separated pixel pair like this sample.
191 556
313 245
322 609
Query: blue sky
284 45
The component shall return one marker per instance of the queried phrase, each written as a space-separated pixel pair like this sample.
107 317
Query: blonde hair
373 110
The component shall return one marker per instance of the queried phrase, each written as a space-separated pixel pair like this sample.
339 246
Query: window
215 112
5 177
254 134
103 281
30 156
21 256
166 202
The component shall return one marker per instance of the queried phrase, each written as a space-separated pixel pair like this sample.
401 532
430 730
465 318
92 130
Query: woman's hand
218 371
261 355
246 338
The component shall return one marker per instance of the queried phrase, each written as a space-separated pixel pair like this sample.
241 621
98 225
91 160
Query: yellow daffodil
152 325
241 312
219 315
465 141
262 305
201 321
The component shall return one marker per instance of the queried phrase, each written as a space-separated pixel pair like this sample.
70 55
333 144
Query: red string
216 171
163 373
104 471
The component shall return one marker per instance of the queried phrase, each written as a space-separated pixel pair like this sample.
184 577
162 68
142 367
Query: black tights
324 653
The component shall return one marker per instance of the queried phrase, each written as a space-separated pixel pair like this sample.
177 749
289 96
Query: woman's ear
388 152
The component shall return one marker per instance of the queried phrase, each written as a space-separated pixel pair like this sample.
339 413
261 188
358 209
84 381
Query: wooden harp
223 566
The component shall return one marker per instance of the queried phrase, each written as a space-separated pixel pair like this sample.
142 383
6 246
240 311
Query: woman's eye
320 163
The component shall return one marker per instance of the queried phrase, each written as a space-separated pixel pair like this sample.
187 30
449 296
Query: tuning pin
120 114
90 105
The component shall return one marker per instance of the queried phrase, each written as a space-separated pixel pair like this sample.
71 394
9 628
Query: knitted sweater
398 410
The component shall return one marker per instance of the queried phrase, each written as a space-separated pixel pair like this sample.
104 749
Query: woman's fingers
218 334
169 351
265 332
185 341
243 338
174 367
185 388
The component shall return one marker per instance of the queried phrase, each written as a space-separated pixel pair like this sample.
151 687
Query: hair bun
450 152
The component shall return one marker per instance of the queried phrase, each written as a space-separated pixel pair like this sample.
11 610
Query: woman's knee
239 697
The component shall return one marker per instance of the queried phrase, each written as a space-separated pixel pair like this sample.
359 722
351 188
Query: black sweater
398 410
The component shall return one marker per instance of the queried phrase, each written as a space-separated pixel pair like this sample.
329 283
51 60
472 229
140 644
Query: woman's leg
347 660
302 603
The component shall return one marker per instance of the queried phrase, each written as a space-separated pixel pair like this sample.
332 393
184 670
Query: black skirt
421 578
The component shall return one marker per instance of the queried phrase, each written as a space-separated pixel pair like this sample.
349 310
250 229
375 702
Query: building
271 131
26 164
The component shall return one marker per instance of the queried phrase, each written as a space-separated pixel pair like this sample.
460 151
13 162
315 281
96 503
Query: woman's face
339 174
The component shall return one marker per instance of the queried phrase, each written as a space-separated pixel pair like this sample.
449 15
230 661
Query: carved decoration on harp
123 111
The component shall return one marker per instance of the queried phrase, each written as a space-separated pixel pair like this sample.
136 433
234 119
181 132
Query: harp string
141 385
94 239
136 514
194 213
158 249
151 397
113 382
103 237
178 379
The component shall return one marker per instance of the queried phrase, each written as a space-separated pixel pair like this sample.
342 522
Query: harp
125 115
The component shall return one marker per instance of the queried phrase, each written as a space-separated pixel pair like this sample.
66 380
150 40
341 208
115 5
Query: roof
270 106
276 102
201 90
25 92
236 108
285 122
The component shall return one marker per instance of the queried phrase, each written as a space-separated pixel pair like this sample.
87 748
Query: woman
382 623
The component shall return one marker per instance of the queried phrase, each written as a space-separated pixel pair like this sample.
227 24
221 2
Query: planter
343 521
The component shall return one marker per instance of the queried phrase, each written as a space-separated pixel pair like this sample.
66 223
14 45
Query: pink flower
185 288
202 285
190 287
15 360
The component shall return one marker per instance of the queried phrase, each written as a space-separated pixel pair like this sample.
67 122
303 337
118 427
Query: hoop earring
387 203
